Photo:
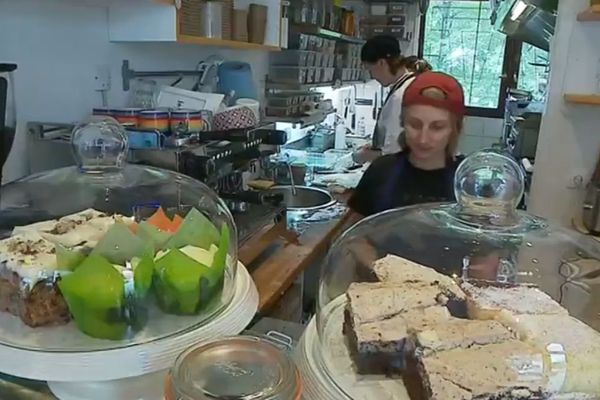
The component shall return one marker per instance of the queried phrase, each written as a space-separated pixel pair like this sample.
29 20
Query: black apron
378 134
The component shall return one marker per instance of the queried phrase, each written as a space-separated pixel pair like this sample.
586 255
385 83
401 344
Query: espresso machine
220 159
8 121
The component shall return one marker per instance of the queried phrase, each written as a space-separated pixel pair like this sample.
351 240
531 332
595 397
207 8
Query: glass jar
154 119
483 237
125 253
244 367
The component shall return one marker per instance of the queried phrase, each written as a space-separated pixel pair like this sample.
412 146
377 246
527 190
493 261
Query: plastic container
298 41
154 119
281 101
328 74
310 75
244 367
318 59
281 111
297 58
292 75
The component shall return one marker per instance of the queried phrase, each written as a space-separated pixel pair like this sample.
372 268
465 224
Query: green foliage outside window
460 40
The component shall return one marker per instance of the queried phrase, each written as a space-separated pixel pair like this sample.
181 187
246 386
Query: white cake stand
126 373
327 368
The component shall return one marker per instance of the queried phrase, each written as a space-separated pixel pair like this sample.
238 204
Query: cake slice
491 301
399 270
508 370
378 347
459 333
370 302
573 346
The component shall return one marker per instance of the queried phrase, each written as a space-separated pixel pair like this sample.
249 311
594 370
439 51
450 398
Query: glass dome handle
99 146
488 187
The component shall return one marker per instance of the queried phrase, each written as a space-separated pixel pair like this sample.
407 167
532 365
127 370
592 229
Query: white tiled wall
480 133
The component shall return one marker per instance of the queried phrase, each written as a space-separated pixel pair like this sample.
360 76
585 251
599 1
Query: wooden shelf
232 44
590 15
315 30
585 99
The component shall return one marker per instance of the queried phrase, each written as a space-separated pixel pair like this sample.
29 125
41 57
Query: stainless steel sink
305 199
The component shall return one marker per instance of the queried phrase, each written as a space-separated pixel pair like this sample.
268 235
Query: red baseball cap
454 97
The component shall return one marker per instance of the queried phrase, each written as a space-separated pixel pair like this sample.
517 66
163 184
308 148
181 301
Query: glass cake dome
482 238
106 255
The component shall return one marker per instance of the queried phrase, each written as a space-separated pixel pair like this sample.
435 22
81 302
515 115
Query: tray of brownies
473 300
110 264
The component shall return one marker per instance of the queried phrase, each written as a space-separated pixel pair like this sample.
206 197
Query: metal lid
236 368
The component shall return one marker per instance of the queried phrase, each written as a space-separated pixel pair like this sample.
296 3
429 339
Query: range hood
531 21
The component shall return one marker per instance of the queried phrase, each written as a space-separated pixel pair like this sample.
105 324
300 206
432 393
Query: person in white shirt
382 57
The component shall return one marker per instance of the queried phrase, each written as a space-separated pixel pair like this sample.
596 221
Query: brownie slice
509 370
379 347
378 320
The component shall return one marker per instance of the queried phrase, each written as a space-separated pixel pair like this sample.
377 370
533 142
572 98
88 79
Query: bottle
340 136
361 127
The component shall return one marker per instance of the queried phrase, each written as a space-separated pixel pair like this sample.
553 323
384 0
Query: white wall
570 135
58 44
480 133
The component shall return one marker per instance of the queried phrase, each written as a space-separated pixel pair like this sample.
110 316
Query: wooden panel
585 99
274 276
224 43
590 15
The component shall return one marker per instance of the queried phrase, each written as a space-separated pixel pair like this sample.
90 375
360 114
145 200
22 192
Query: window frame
509 76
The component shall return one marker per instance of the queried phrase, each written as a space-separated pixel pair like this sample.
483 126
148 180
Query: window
534 71
458 38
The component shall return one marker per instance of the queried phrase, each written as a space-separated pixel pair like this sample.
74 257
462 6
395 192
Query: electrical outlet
102 78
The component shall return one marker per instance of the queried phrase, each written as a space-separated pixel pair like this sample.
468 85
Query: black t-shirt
392 181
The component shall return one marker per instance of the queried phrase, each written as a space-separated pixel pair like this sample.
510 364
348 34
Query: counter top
275 271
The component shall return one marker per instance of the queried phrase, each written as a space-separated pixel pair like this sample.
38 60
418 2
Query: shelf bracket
128 74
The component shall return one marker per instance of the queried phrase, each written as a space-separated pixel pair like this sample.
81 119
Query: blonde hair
457 122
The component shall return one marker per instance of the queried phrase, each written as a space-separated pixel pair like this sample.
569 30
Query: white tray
328 370
135 360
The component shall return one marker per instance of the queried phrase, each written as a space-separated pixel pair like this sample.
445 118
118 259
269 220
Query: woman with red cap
432 117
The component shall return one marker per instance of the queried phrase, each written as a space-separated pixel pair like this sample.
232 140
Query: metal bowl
305 199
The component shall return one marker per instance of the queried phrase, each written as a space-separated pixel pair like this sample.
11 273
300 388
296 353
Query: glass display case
483 240
106 255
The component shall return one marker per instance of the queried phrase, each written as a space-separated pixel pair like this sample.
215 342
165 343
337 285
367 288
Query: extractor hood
531 21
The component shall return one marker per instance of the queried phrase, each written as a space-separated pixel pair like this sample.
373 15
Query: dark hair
380 48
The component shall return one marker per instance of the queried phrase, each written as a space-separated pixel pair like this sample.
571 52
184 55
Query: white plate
329 366
137 359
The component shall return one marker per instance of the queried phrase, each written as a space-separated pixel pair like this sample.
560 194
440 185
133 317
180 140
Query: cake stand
330 375
134 371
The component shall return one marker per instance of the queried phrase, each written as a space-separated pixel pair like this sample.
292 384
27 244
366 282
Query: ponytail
416 65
